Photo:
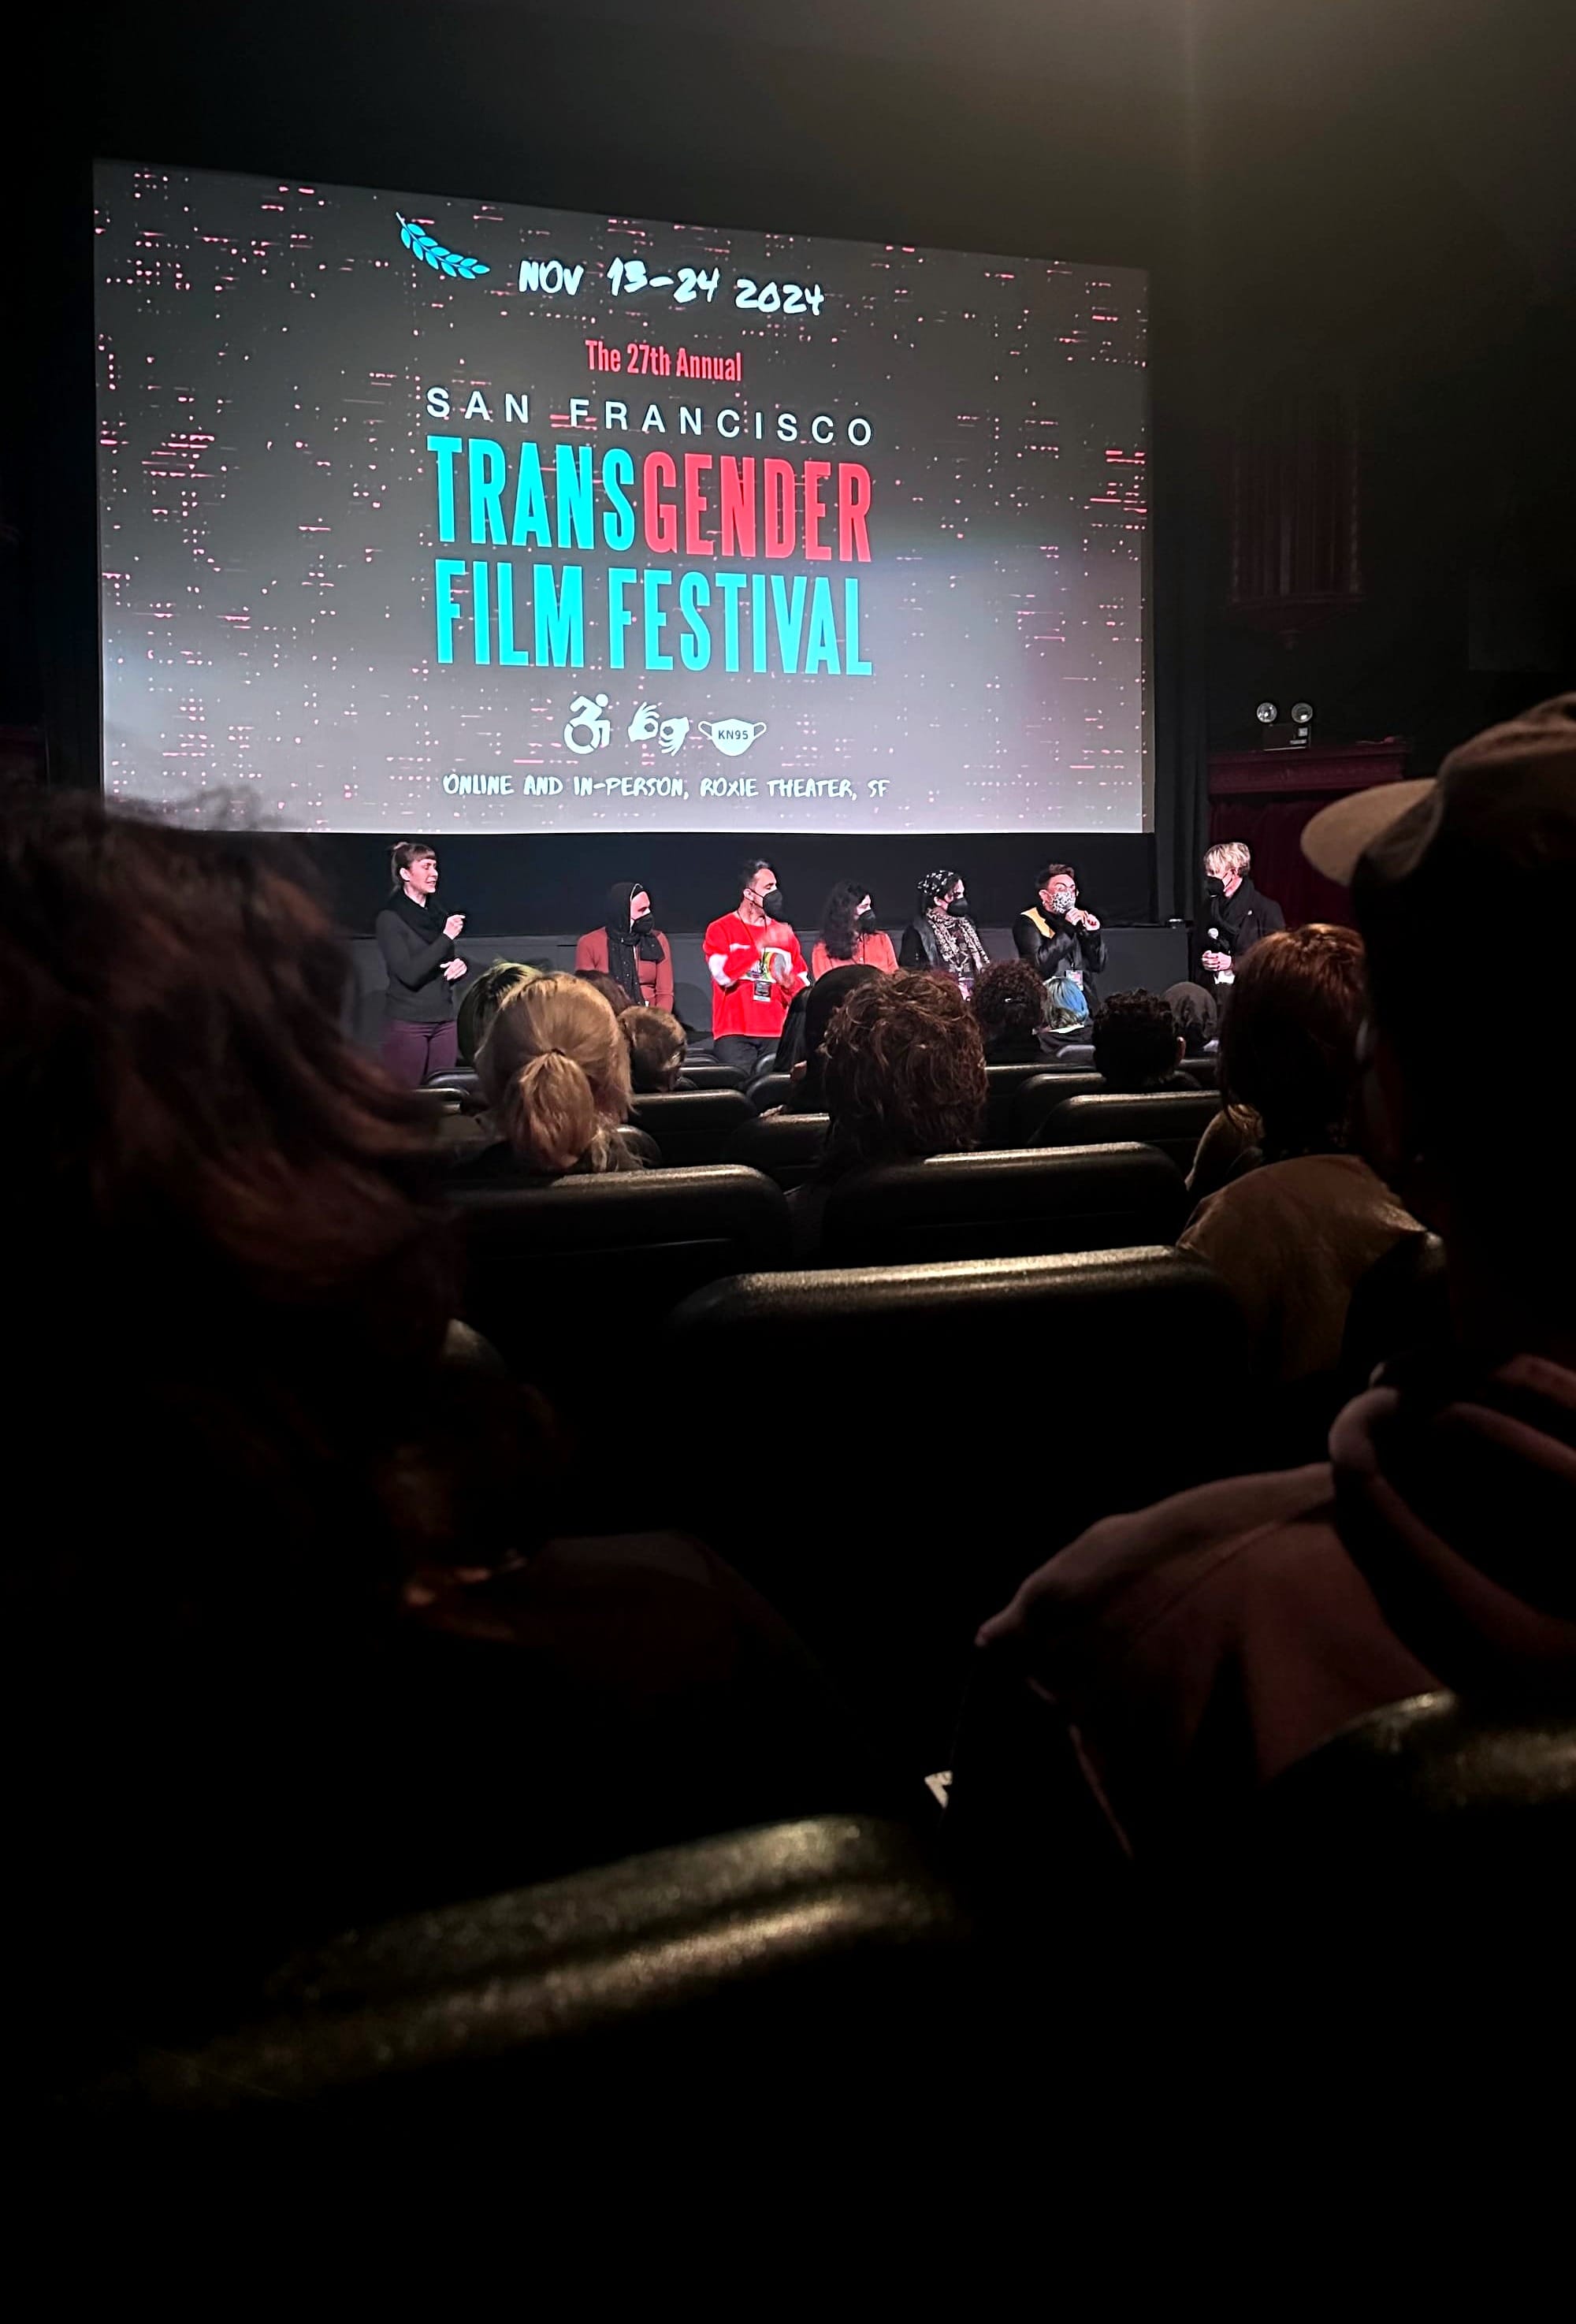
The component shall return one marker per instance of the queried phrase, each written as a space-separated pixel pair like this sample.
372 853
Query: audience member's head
1288 1040
225 1204
1196 1014
1434 870
1137 1046
1009 1003
903 1071
555 1071
655 1041
484 996
611 990
826 998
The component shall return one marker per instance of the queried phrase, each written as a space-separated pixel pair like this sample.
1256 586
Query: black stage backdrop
506 883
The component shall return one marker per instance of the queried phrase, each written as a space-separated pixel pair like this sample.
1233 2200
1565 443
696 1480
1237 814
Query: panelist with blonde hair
1236 916
555 1070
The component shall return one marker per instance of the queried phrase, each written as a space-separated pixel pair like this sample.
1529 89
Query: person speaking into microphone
1063 942
418 946
757 967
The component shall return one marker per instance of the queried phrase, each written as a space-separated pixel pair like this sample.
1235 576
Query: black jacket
418 992
1242 919
1064 947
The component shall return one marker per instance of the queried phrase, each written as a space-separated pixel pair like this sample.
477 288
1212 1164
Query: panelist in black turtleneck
418 946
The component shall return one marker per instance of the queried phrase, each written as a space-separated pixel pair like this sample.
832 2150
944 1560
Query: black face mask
644 926
867 925
771 903
958 909
1215 888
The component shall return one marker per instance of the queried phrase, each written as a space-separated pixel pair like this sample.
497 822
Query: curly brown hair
1010 999
904 1071
1288 1041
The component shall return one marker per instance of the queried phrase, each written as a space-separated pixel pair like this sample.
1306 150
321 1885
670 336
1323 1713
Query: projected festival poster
444 515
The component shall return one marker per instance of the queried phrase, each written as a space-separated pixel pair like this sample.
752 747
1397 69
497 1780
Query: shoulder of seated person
1164 1551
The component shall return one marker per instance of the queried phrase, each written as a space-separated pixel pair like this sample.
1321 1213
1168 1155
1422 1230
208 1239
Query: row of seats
1025 1392
1405 1875
1042 1108
647 1238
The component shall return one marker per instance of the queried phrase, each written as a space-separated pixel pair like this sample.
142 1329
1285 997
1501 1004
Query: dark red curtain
1273 829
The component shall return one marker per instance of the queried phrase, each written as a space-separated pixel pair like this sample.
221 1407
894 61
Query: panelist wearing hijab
630 947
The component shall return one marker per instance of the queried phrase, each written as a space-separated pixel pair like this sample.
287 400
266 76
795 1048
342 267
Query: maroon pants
412 1054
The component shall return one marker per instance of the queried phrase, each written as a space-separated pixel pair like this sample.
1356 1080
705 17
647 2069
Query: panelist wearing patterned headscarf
942 935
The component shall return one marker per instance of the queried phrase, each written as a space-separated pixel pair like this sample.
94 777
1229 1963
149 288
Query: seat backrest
1400 1304
1028 1200
691 1126
466 1083
770 1090
1431 1843
1036 1097
813 1948
1172 1120
1003 1083
548 1266
975 1415
705 1075
787 1145
1205 1070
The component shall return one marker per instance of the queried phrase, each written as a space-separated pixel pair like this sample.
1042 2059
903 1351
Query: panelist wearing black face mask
942 934
1235 915
851 935
630 947
756 968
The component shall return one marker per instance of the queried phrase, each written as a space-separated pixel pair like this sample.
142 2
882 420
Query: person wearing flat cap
1191 1652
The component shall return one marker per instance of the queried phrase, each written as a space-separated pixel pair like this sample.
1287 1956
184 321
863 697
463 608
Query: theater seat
691 1126
704 1073
1172 1120
1004 1083
770 1090
1203 1070
1412 1875
938 1430
466 1083
787 1145
621 1999
1029 1200
550 1271
1038 1094
1400 1305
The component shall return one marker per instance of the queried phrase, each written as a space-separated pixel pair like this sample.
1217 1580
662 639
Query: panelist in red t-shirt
757 967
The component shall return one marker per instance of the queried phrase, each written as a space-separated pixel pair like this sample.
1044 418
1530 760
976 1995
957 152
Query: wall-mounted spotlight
1266 714
1302 720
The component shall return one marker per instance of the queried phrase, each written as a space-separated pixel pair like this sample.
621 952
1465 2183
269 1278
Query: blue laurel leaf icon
431 252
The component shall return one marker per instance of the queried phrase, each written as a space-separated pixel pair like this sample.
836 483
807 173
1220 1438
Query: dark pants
745 1053
412 1054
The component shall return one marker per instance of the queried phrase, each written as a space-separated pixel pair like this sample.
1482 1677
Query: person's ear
1181 1051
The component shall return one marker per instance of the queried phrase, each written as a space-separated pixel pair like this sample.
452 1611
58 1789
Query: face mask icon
671 734
731 735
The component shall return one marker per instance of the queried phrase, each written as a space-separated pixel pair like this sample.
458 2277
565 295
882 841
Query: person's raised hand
453 925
